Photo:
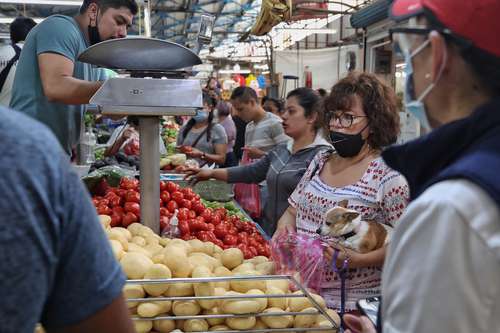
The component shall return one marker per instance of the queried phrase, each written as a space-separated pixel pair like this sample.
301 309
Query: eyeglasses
345 120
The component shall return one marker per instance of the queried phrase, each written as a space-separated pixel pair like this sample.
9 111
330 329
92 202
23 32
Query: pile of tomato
195 219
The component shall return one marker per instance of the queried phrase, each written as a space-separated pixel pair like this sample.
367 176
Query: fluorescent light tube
45 2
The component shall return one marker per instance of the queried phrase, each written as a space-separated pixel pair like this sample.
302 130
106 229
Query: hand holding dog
355 258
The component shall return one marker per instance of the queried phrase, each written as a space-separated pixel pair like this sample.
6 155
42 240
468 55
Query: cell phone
369 307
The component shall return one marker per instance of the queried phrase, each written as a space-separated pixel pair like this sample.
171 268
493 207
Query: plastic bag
248 195
300 256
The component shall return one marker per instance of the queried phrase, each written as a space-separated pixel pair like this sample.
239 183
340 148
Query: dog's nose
318 231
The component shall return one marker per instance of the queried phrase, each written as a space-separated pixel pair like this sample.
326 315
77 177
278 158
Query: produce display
222 225
145 255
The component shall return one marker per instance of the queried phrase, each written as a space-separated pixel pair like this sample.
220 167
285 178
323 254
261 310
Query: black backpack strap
5 72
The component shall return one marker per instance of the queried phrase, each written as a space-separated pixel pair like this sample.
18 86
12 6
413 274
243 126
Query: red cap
475 20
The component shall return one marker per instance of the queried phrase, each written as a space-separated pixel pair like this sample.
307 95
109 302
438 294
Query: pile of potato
145 255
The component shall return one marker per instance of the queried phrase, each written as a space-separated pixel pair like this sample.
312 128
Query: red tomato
192 214
222 211
172 187
129 183
104 202
211 236
183 214
110 195
164 221
122 193
262 251
178 197
230 240
216 219
95 202
188 193
128 219
253 242
207 215
163 186
218 242
132 207
104 210
203 236
172 206
253 251
240 225
116 201
116 220
187 237
198 207
133 196
165 197
186 203
243 238
184 227
118 210
221 230
232 230
163 211
210 227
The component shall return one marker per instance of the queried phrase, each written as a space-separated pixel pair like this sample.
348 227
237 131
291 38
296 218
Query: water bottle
88 144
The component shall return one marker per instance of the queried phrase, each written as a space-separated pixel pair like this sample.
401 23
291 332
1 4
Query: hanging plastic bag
300 256
248 195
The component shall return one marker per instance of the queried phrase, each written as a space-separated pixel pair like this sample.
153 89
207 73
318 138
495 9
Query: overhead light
45 2
232 71
312 31
7 20
236 67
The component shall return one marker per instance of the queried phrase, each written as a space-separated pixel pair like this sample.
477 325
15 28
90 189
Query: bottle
308 78
88 144
172 228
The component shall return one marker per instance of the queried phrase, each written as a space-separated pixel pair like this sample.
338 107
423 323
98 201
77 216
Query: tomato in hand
132 207
172 206
177 196
128 219
133 196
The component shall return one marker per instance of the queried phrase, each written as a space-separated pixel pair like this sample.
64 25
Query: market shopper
9 55
283 166
361 119
274 106
226 121
57 266
442 272
50 84
201 138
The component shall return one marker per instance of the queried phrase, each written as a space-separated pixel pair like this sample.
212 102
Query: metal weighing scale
156 87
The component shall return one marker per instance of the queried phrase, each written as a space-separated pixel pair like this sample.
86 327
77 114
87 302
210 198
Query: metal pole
149 129
147 18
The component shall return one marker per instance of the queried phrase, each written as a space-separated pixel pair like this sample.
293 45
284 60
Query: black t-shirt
241 125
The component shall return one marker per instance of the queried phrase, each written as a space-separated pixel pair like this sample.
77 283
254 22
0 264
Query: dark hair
20 27
208 82
485 65
264 100
322 92
244 94
310 101
224 108
379 104
105 4
211 102
277 103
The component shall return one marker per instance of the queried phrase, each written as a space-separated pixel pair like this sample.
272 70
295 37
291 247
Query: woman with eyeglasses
361 119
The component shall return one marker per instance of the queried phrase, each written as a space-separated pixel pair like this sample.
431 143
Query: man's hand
358 324
127 134
254 153
195 175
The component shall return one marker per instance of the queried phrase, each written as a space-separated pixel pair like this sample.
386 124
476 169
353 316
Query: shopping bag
300 256
248 195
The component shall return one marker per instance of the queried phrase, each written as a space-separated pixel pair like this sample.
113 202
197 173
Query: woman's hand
357 324
195 175
355 258
194 153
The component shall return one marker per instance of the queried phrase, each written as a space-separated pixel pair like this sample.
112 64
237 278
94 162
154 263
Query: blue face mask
200 116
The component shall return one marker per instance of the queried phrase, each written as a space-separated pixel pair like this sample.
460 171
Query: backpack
5 72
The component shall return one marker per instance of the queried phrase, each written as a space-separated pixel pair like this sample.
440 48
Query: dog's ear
350 216
342 203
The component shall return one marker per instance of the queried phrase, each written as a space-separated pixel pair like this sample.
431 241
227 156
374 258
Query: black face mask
347 145
94 36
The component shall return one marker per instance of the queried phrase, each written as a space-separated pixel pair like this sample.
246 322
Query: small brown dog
346 225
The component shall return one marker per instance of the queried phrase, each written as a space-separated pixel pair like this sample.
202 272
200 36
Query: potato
326 324
219 292
132 247
217 249
204 288
159 258
214 263
117 248
145 232
196 245
153 249
143 326
262 301
134 228
208 248
117 235
195 325
243 286
222 272
245 267
241 323
124 232
282 285
176 260
153 239
157 271
280 303
179 324
133 291
197 260
152 309
214 321
164 326
239 306
277 322
139 241
266 268
135 264
164 241
182 243
185 308
300 303
219 328
217 256
232 258
333 314
260 325
105 221
305 321
180 289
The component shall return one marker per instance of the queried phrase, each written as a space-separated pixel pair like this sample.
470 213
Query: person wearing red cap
442 271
